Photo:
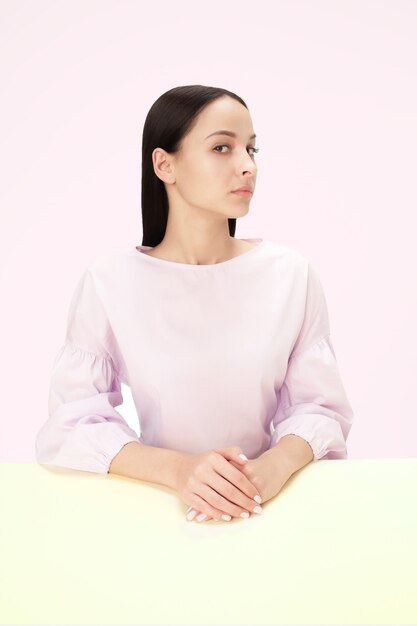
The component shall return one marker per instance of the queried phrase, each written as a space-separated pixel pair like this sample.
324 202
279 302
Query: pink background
331 88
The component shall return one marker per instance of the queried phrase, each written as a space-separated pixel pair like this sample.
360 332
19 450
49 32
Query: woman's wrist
292 452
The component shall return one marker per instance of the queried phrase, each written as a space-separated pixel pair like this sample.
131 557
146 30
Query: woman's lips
243 193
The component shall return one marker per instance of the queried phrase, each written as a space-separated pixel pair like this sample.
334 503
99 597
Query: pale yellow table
338 545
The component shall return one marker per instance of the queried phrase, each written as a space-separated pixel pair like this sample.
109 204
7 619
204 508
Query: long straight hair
170 117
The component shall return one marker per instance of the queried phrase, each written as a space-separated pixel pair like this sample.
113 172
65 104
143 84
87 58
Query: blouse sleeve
312 401
84 431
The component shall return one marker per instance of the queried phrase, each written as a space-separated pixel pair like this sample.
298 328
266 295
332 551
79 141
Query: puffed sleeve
84 431
312 401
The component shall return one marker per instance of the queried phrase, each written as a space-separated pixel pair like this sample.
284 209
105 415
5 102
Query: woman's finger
193 514
243 491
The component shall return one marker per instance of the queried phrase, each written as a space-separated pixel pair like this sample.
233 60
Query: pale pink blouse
236 353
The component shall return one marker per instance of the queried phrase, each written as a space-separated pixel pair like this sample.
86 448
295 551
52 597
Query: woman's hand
265 473
211 484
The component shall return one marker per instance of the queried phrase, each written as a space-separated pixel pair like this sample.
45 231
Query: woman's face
207 168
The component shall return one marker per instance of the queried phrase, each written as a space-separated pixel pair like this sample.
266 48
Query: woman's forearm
292 451
155 465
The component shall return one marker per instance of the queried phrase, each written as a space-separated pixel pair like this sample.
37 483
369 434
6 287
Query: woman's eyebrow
227 132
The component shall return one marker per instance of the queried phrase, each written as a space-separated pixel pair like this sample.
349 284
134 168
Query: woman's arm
143 462
291 451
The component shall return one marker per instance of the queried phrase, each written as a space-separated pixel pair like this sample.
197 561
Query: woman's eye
224 146
227 146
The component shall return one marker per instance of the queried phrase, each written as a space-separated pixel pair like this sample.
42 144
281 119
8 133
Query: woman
224 342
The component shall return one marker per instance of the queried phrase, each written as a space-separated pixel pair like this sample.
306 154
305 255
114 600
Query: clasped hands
220 484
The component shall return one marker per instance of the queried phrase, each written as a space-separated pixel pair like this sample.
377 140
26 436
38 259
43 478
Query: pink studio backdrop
332 94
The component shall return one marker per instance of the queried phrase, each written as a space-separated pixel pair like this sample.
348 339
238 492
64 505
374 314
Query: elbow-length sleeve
312 401
84 431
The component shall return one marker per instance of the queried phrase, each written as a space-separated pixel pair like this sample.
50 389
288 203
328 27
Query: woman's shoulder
287 253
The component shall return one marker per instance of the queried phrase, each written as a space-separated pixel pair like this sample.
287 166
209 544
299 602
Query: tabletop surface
337 545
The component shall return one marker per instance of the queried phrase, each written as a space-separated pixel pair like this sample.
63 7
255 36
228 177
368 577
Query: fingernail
257 499
257 509
242 456
244 514
191 515
226 518
201 517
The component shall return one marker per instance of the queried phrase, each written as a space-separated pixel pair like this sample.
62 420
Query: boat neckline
139 252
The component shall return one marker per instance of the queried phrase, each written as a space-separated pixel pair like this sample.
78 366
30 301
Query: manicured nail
257 509
191 514
201 517
226 518
244 514
257 499
242 456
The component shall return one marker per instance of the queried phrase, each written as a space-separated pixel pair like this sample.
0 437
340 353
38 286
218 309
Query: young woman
224 342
